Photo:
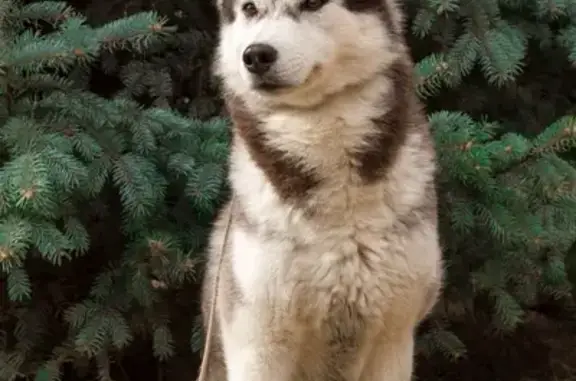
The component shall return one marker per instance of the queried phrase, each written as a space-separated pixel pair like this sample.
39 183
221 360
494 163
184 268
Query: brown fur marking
392 128
289 179
228 15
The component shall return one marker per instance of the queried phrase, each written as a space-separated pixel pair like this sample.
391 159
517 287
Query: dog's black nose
258 58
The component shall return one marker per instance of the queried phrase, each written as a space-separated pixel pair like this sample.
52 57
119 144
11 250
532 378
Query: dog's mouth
274 86
269 85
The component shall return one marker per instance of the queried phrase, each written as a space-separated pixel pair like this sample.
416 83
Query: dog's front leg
255 351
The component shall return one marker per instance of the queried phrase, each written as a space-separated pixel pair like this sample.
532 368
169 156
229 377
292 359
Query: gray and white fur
333 257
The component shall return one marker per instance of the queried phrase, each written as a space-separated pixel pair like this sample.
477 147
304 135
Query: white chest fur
353 254
369 270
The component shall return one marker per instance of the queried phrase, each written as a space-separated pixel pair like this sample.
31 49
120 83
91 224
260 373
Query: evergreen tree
498 82
175 73
104 205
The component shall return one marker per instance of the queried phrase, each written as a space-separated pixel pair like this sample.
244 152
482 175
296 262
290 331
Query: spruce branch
566 133
50 11
136 32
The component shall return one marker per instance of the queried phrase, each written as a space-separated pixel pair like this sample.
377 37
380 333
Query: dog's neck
352 137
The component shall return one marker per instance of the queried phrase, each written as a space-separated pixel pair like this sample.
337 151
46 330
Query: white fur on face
319 53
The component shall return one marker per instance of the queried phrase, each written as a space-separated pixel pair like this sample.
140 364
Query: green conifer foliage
507 179
175 73
104 205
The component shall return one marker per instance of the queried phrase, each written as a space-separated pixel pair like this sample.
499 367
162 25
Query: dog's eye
249 9
312 5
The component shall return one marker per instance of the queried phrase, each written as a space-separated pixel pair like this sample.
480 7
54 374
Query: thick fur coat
333 256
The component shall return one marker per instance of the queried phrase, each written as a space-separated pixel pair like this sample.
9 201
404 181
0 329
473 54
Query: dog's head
297 52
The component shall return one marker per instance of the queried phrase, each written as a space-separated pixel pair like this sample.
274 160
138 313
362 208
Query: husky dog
333 256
